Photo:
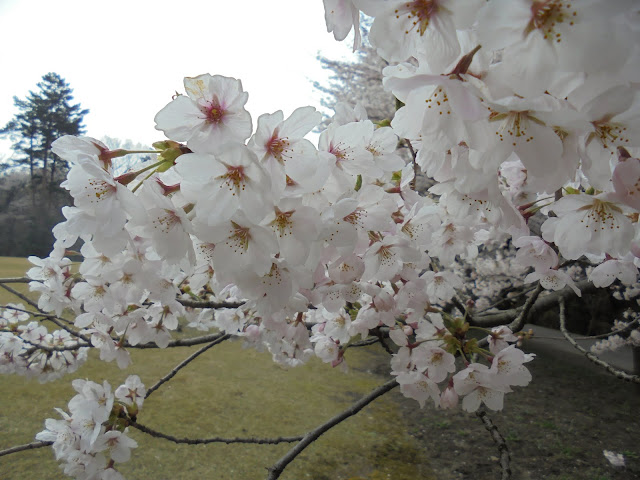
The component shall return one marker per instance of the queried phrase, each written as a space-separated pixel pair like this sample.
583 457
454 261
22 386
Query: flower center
546 15
215 112
239 239
419 12
235 178
276 146
282 223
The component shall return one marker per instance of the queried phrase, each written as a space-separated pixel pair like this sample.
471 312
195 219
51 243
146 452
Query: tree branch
543 304
21 296
17 280
184 363
22 448
503 448
185 342
594 358
201 441
208 304
276 470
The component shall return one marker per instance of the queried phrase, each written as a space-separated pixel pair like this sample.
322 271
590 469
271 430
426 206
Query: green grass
228 391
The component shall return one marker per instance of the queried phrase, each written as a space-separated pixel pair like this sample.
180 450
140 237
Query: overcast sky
124 59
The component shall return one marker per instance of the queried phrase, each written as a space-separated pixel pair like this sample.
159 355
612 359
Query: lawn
228 391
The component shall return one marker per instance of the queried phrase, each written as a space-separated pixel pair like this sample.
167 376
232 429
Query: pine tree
43 117
32 202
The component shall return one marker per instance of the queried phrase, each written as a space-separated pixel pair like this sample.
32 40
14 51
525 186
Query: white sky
124 59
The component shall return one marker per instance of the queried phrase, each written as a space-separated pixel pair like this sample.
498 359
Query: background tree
43 116
357 81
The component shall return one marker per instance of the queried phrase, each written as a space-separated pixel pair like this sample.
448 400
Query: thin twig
184 363
22 448
276 470
59 323
594 358
503 448
21 296
415 164
507 299
463 310
201 441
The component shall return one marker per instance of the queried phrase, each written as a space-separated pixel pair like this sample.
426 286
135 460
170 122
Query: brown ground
556 428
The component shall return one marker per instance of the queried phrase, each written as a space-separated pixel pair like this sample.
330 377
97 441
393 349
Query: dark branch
21 296
543 304
505 457
16 280
201 441
22 448
185 342
276 470
184 363
208 303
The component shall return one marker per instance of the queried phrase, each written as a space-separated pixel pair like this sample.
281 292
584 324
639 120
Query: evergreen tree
43 117
33 204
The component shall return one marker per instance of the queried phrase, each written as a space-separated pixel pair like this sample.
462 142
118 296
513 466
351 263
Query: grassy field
228 391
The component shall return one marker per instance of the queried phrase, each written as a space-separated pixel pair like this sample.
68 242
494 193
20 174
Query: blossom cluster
92 437
513 107
28 348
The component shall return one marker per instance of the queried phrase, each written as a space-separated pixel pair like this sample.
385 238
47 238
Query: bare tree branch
594 358
184 363
201 441
208 303
21 296
543 304
22 448
521 319
503 448
276 470
184 342
17 280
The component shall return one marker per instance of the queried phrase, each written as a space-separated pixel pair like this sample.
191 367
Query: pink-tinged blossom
613 123
611 270
296 228
626 181
384 259
418 386
553 280
477 384
240 245
210 115
221 185
341 16
508 364
422 28
499 338
535 252
440 286
589 224
547 35
284 153
166 224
